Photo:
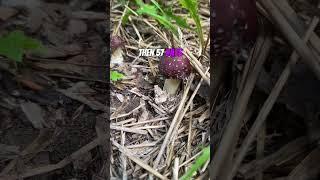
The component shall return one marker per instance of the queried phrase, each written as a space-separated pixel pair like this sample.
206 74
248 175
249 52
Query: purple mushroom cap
176 68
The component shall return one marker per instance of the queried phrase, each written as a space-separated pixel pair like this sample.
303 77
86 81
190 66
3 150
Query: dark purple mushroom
116 42
177 67
174 69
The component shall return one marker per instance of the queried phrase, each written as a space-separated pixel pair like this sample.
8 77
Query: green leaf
15 44
182 22
116 76
157 5
140 2
125 18
192 7
147 9
152 11
161 19
200 161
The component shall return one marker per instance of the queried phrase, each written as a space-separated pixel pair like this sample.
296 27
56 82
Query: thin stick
123 157
189 136
297 24
287 31
175 170
131 130
260 149
197 65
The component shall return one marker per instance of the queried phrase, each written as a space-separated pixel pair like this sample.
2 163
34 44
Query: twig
175 171
260 149
145 122
127 114
297 24
287 31
189 135
197 65
131 130
123 157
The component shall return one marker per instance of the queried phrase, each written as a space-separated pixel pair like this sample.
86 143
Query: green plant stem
200 161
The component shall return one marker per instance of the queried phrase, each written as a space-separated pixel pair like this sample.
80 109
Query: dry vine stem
234 124
173 123
292 37
267 106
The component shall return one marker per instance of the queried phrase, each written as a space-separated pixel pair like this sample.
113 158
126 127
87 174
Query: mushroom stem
171 86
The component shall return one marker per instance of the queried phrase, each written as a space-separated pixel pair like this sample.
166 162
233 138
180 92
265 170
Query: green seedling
15 44
200 161
125 18
192 6
164 17
168 13
116 76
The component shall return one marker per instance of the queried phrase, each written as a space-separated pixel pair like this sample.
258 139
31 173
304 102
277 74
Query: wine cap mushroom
175 67
116 42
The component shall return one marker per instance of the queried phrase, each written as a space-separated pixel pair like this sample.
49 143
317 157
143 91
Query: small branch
297 24
260 149
292 37
175 170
